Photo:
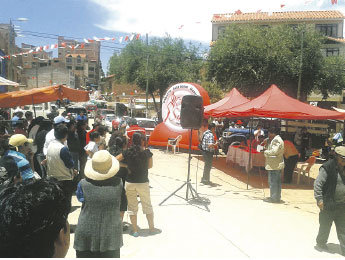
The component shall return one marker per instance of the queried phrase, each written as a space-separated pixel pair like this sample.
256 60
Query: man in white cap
21 144
50 135
329 192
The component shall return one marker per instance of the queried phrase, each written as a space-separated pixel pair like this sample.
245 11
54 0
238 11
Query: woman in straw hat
99 229
139 160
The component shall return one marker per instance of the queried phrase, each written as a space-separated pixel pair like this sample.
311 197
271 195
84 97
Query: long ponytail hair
136 156
117 143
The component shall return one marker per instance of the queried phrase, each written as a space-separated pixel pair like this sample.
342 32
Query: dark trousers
290 164
39 168
75 157
303 152
106 254
68 187
82 163
208 157
326 219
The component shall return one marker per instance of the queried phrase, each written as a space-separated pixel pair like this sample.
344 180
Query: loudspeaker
192 111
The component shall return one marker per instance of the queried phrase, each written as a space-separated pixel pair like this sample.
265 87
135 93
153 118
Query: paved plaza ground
238 224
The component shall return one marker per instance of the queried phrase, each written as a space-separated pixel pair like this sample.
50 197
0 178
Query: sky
186 19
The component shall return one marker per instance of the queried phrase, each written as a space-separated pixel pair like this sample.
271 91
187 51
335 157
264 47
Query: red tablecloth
240 156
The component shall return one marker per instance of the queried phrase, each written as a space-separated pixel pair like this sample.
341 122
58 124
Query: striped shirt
22 163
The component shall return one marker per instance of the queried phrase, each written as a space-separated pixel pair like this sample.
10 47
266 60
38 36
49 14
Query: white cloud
158 17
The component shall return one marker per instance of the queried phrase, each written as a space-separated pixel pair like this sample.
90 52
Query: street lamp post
147 77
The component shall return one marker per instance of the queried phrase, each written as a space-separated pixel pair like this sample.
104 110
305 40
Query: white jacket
274 154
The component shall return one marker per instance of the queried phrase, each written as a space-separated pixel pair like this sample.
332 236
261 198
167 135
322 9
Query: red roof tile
278 16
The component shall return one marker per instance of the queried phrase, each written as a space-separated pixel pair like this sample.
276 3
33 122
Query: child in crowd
92 146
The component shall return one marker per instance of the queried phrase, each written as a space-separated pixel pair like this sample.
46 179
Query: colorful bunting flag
238 12
37 49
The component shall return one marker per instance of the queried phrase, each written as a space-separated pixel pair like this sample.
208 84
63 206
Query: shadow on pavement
333 248
257 179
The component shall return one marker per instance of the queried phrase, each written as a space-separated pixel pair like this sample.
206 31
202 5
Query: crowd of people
44 162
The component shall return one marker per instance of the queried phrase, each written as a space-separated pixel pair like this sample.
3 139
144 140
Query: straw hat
340 150
102 166
18 140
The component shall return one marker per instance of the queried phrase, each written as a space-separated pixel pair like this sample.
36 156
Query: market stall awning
42 95
232 99
274 103
6 82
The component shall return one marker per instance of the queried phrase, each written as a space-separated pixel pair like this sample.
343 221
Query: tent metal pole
33 105
250 150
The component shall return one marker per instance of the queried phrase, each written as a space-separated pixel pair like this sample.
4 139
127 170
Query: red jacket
88 135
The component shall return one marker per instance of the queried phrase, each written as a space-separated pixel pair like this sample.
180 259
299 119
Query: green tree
332 76
252 57
169 61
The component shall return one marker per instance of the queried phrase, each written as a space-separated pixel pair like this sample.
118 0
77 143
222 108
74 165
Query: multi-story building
329 23
31 59
8 46
48 76
84 62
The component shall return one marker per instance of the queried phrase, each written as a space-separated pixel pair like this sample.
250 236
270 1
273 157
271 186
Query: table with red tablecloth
240 155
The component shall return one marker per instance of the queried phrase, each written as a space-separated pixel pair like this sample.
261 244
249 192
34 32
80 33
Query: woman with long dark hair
139 160
117 144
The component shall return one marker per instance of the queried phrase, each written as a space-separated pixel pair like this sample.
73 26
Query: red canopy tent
274 103
232 99
42 95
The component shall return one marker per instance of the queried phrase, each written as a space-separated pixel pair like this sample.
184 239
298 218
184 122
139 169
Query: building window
332 52
79 68
35 55
68 59
91 76
221 30
69 67
78 59
328 29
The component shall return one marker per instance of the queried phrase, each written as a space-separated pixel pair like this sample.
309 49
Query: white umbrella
6 82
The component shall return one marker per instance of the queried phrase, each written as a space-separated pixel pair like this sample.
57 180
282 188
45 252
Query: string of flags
73 47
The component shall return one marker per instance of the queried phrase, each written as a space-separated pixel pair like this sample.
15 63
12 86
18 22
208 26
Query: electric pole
147 76
300 67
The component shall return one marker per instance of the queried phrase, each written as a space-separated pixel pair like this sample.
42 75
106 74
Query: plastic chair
174 143
304 168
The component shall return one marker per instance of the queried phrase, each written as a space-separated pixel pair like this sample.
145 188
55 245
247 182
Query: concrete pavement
239 224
